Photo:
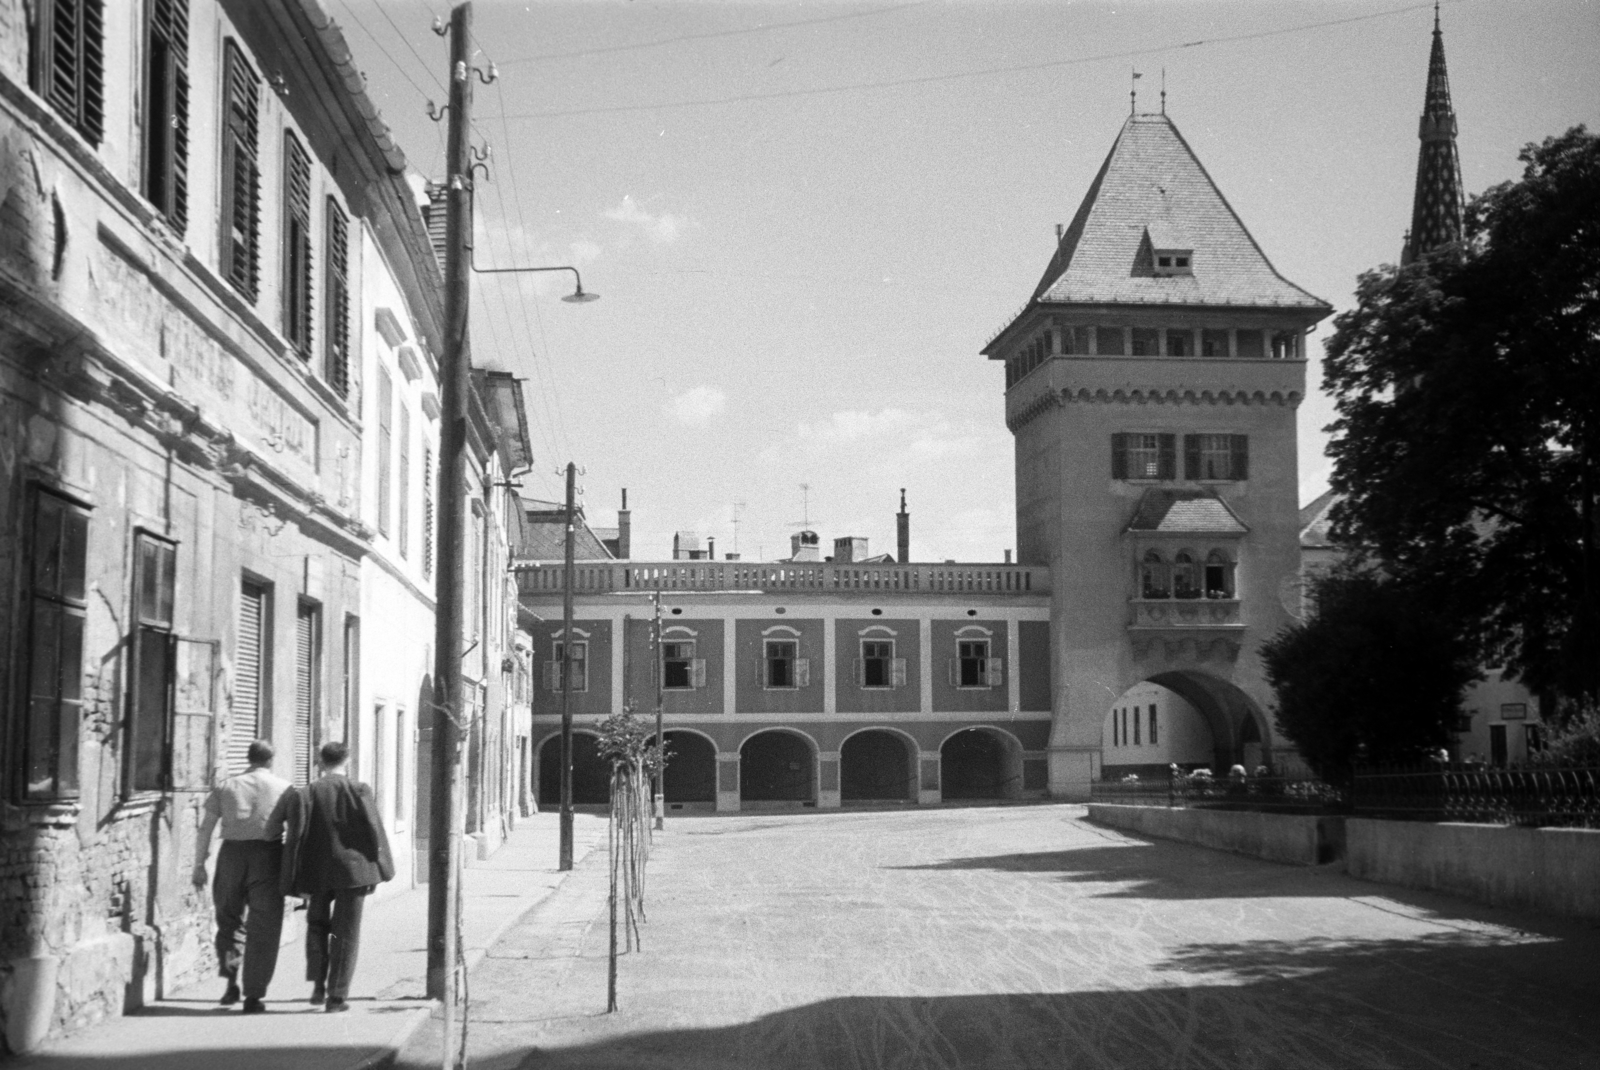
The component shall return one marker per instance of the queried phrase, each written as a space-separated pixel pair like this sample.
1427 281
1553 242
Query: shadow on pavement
199 1059
1485 997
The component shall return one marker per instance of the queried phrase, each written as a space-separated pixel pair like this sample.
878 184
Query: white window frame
894 667
799 668
554 665
694 668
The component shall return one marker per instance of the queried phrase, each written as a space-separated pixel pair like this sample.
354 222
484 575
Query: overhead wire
928 79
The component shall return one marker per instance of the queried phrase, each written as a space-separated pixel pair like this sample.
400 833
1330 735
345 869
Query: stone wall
1298 839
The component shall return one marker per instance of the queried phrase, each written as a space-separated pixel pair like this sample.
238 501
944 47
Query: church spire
1437 204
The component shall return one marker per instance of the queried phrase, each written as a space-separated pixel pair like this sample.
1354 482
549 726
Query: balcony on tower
1185 551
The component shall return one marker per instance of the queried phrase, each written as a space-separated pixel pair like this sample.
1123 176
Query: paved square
1021 937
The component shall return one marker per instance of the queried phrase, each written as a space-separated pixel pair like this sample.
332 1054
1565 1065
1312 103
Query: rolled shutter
897 672
1240 459
995 671
1191 456
802 672
1168 464
1119 455
697 673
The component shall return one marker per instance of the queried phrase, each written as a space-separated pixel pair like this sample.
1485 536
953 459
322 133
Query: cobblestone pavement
1020 937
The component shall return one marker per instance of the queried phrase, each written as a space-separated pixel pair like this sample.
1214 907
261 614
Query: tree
1374 675
1468 434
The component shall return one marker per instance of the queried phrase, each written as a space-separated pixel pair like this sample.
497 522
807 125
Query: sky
805 219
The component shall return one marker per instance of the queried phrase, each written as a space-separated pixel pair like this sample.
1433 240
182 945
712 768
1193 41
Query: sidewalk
188 1031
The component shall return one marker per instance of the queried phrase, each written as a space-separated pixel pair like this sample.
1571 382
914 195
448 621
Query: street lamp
579 296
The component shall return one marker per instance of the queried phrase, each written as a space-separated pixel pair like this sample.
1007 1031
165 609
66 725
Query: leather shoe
252 1005
336 1005
319 994
230 995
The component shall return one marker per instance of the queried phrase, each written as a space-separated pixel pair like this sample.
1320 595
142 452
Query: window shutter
802 672
69 62
1240 460
297 244
954 667
761 670
861 672
1191 456
995 671
697 673
241 179
1119 455
1168 463
166 131
897 672
336 299
549 674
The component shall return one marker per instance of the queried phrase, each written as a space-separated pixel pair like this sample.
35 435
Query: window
385 445
1136 455
1285 345
56 611
782 667
151 674
1075 340
427 511
166 112
973 667
1116 738
1153 579
336 298
1250 344
296 245
578 659
403 522
1185 576
1146 341
67 61
1136 726
1154 737
1179 343
1216 457
878 667
1109 342
241 174
1219 575
680 669
1213 343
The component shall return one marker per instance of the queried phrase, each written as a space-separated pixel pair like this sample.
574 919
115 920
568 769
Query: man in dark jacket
335 852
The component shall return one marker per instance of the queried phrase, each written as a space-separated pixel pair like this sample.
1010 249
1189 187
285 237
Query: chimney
903 530
711 548
624 529
1059 231
803 546
849 548
1008 557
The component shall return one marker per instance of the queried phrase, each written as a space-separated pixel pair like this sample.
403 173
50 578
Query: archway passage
975 763
591 774
875 766
691 774
776 767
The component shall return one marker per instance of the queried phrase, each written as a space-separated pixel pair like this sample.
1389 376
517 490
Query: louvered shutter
1191 456
697 673
241 178
995 671
69 62
167 111
244 724
305 633
897 672
802 672
954 667
1119 455
297 244
1167 466
1239 447
336 299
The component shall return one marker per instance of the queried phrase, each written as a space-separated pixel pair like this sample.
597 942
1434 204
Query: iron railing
1281 794
1528 797
541 577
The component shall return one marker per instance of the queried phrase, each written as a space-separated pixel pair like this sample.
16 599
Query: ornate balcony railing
1185 613
1531 797
588 577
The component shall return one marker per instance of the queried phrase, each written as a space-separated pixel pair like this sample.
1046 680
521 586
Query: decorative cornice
1031 411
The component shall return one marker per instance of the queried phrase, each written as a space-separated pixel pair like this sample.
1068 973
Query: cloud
584 251
662 229
696 406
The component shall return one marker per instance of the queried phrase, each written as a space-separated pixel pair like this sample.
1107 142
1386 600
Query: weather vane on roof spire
1133 94
1163 91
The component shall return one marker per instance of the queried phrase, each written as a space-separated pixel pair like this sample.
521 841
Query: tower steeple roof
1437 203
1153 194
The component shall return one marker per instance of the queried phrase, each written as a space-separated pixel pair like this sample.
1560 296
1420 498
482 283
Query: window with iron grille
336 298
1216 456
166 112
296 245
149 723
241 174
67 61
59 537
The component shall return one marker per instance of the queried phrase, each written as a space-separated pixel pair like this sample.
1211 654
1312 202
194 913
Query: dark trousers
249 912
333 938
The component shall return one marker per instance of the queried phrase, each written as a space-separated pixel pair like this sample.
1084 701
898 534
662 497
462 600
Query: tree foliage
1467 440
1375 675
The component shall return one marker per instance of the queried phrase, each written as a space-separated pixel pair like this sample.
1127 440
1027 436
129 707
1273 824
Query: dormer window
1171 251
1174 261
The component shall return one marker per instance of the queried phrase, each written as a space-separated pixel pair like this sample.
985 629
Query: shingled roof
1189 512
1152 189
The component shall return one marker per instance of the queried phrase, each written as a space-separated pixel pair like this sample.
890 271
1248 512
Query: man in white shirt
245 892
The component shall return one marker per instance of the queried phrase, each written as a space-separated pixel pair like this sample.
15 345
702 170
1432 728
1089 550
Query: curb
385 1056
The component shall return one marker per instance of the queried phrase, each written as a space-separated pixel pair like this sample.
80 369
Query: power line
374 39
407 42
928 79
711 35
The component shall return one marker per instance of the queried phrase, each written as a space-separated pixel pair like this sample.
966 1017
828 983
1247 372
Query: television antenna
738 507
805 509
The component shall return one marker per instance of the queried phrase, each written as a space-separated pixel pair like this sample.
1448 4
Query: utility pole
565 862
444 844
661 765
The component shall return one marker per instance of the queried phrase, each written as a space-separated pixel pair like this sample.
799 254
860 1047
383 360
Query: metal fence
1529 797
1279 794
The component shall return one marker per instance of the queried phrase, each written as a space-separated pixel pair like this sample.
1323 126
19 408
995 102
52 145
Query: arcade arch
878 765
980 763
591 774
778 765
1184 717
691 773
